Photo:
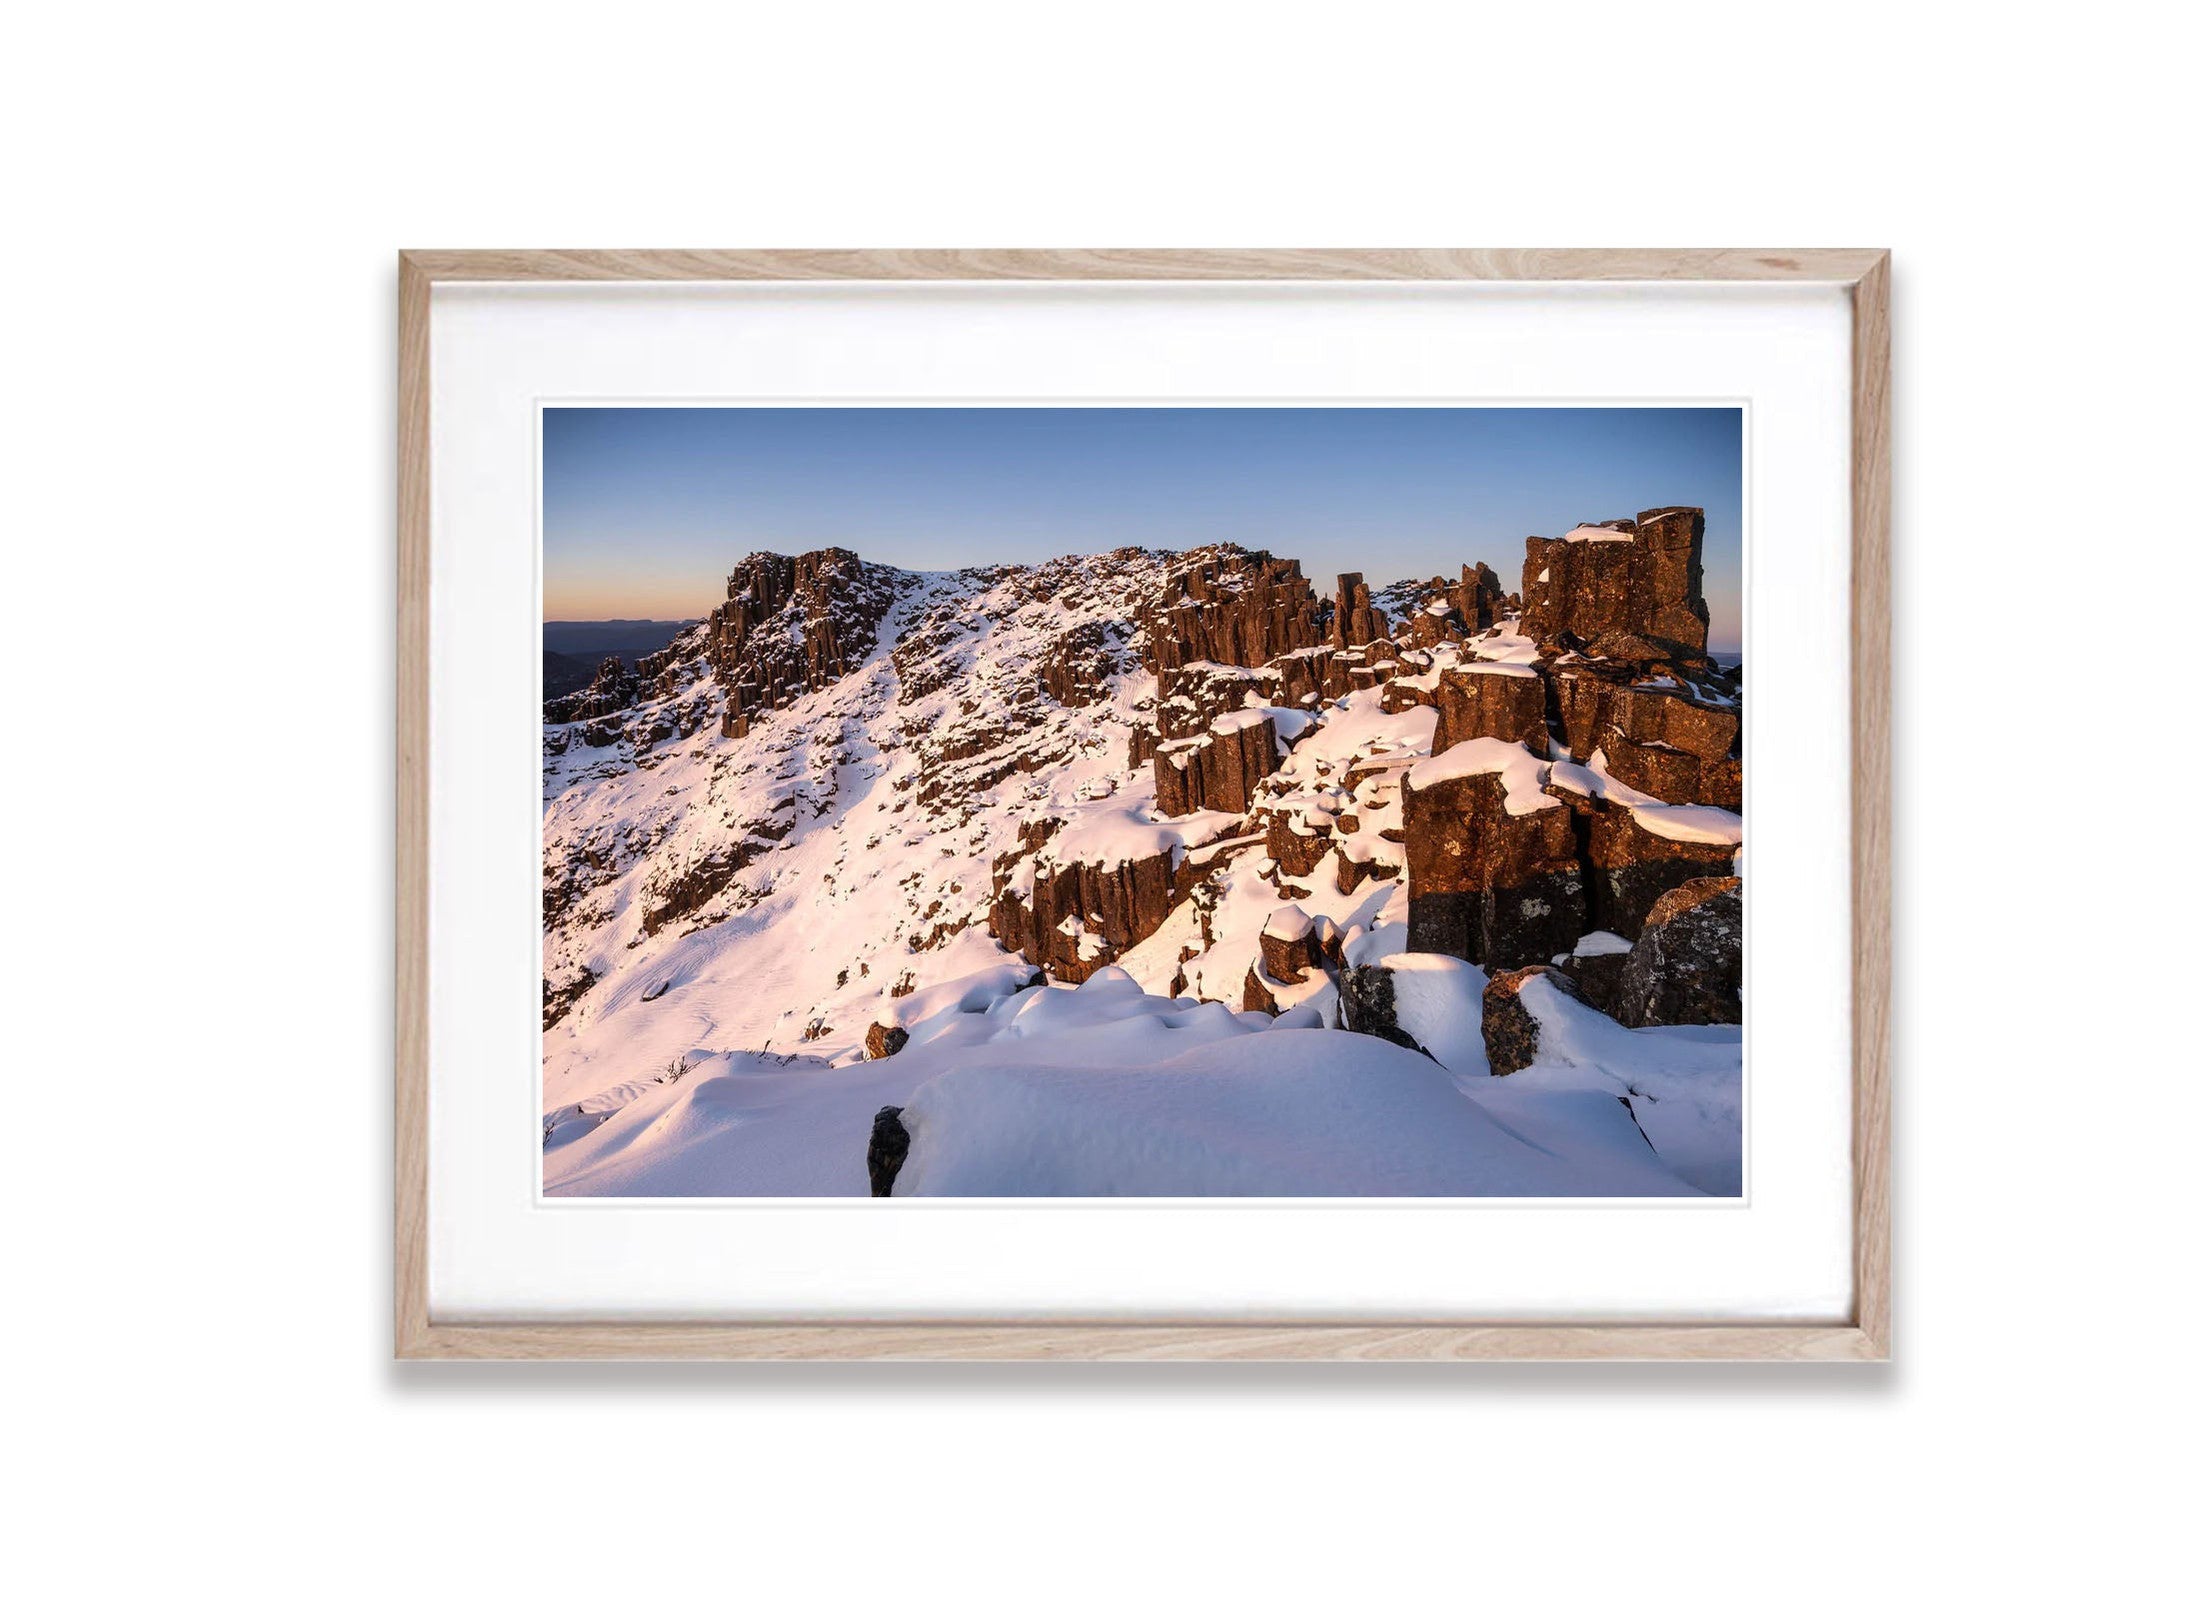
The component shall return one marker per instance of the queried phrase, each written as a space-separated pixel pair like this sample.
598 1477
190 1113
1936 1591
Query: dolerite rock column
1237 607
1290 952
1686 966
1491 700
1356 621
1488 885
1643 582
1629 866
1219 770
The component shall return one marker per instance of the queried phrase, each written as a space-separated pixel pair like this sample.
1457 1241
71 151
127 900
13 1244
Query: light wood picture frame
1862 1335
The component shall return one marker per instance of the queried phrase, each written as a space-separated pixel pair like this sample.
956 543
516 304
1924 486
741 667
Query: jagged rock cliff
853 787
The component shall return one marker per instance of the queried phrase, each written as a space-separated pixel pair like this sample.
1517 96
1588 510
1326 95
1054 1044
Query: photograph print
1024 802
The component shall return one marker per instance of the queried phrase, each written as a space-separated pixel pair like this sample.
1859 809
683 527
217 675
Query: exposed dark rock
1476 702
1509 1032
1357 619
1597 973
1367 998
685 889
790 624
1673 775
883 1040
1297 839
1238 607
613 688
1630 867
1079 666
559 998
1646 585
1486 885
1218 770
889 1150
1686 966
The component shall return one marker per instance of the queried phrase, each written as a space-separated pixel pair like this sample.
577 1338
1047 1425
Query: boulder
1289 947
888 1152
1640 579
1368 1003
1488 699
1594 966
1509 1031
1686 966
1489 883
883 1040
1298 839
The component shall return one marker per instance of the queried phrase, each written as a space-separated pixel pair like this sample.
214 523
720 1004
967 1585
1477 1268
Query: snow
1602 943
722 1052
1586 534
1524 773
1687 824
1290 1113
1438 1000
1682 1083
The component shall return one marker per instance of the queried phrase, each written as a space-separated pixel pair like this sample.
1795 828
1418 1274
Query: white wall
201 348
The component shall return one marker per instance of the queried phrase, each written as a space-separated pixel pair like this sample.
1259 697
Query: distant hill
618 637
571 651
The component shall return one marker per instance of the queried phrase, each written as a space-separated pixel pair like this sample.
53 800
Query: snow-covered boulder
1509 1029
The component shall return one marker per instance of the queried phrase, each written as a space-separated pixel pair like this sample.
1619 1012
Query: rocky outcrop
1489 883
1509 1031
1487 699
1357 619
1229 605
1673 737
1686 966
1629 865
1639 579
790 624
613 688
1080 666
883 1040
1073 917
1220 769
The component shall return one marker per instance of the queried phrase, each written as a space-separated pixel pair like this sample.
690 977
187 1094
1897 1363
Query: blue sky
645 509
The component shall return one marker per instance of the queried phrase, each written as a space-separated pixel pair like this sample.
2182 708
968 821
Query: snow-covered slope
862 812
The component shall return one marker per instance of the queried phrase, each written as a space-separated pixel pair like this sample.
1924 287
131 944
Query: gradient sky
645 509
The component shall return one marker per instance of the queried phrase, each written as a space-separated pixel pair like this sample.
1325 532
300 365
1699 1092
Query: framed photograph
1143 804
